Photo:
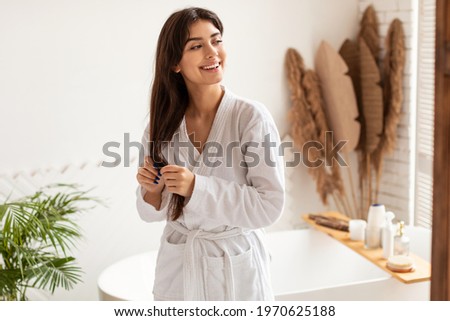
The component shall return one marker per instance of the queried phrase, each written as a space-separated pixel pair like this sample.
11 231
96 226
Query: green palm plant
36 234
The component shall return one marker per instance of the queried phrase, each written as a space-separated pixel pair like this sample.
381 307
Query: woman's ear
176 69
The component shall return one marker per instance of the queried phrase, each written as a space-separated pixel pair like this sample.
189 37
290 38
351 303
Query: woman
212 247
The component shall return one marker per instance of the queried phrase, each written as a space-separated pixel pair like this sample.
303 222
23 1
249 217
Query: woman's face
203 57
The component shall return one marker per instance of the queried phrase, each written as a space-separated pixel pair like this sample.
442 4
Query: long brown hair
169 95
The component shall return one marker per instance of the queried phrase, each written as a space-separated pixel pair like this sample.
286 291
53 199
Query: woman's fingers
154 185
145 179
146 173
179 180
149 177
148 165
174 178
170 176
172 169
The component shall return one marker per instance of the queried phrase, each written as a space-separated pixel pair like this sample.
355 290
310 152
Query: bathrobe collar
215 133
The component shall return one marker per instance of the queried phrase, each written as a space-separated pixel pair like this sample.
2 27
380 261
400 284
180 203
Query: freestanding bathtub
306 265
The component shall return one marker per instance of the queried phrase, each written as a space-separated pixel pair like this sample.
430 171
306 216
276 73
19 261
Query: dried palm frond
303 128
372 100
311 87
304 117
314 98
369 35
349 51
302 124
394 63
340 101
369 31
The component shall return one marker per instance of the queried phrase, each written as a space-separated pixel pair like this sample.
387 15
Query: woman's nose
211 52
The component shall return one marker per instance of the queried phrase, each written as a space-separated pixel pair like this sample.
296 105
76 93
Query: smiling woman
204 55
85 77
212 247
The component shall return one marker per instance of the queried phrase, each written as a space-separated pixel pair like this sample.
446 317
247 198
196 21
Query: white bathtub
306 265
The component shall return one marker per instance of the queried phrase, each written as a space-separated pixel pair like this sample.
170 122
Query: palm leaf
369 31
57 272
372 98
3 209
372 103
394 63
309 123
302 123
349 51
339 96
9 281
332 180
45 217
341 107
20 225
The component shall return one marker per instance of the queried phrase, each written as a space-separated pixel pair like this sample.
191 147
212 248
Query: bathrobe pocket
169 270
244 277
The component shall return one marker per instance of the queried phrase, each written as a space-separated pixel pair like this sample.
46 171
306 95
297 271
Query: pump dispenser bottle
401 241
388 234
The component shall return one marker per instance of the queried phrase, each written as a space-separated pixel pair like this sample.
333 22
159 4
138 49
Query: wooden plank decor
422 270
440 253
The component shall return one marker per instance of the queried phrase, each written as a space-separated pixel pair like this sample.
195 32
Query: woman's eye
196 47
218 41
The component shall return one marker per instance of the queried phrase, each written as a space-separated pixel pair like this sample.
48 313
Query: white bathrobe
215 250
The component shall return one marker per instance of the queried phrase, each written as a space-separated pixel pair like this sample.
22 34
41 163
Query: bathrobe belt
191 290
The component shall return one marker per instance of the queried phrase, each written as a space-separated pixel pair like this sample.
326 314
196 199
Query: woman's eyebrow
200 38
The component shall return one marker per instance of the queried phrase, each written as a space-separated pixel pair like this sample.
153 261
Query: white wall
76 74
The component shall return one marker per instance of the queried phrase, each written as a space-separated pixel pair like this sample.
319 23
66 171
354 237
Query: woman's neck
204 101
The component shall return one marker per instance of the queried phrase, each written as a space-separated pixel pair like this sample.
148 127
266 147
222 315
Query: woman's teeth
215 66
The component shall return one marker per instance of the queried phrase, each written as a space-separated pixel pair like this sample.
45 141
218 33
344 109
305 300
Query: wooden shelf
422 270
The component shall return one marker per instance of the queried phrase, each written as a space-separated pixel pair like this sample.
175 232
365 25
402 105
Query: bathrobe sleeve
146 211
256 204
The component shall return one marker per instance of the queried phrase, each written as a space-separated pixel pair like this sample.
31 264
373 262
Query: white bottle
388 236
375 223
376 215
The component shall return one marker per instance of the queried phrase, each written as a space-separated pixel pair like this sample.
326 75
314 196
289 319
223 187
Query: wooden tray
422 270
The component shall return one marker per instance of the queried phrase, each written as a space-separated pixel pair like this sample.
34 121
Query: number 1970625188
299 310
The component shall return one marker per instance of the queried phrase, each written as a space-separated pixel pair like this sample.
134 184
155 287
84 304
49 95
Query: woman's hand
148 175
178 180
